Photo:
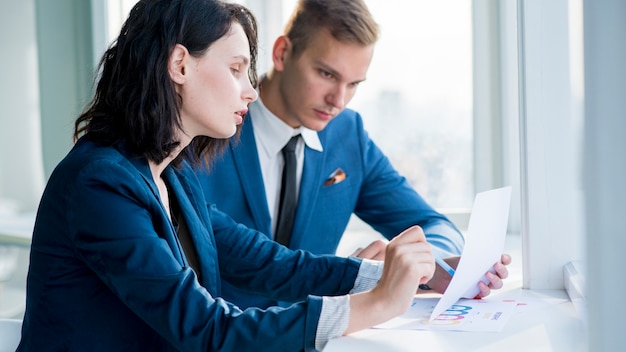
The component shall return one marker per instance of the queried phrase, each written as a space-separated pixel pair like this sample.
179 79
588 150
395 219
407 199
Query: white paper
484 315
484 244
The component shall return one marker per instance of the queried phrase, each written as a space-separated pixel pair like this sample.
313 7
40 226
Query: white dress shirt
271 135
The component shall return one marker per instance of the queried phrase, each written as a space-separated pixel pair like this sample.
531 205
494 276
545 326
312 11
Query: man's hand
375 250
495 280
441 279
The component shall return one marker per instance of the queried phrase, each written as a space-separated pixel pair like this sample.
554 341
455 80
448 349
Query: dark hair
135 100
348 21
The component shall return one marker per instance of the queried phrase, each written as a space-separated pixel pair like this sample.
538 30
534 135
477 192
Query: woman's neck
157 169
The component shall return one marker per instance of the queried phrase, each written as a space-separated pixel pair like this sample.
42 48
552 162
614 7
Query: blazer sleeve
119 230
389 204
251 261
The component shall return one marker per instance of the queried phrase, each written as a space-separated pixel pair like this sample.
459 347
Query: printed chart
465 315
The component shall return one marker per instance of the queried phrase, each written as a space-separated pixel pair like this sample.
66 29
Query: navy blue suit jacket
108 273
372 189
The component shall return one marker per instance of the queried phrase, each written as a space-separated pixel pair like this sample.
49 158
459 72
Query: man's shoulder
349 114
348 118
347 127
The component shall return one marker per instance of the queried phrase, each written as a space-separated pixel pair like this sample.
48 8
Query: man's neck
269 94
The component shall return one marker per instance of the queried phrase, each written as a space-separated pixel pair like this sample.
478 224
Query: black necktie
287 205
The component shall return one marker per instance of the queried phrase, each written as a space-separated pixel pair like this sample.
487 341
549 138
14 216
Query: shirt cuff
368 276
445 239
333 321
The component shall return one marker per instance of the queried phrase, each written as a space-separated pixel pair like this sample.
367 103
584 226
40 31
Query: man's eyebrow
327 68
359 80
335 73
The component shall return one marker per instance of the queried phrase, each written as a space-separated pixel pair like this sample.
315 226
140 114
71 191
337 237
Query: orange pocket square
335 177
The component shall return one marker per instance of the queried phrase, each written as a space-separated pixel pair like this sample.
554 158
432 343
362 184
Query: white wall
21 168
47 74
66 70
550 143
605 170
46 70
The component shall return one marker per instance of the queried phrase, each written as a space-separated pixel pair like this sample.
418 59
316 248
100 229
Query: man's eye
326 74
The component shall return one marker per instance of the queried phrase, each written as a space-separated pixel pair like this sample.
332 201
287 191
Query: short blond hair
348 21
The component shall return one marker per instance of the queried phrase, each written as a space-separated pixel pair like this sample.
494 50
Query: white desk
549 326
550 323
16 229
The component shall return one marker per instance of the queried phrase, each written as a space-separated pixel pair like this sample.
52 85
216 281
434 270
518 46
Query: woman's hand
408 262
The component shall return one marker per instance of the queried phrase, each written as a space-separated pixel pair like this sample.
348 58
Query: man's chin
317 125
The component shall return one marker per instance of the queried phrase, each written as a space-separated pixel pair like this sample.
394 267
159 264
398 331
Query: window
116 12
417 100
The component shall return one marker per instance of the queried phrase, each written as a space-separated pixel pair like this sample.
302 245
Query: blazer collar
141 164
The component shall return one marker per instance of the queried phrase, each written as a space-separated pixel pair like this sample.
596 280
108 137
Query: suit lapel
203 241
246 159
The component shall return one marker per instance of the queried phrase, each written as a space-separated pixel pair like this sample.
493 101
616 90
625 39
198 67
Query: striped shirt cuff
335 314
334 319
369 274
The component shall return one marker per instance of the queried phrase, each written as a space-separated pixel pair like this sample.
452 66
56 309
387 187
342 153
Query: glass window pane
118 11
417 100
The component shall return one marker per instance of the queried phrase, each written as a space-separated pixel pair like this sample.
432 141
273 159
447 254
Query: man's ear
176 65
281 52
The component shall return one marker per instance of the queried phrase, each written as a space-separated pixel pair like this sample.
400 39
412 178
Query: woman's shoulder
85 153
95 160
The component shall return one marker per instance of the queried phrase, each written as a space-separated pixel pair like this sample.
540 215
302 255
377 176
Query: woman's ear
176 64
280 52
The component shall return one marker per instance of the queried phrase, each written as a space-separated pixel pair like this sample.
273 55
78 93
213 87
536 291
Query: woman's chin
223 134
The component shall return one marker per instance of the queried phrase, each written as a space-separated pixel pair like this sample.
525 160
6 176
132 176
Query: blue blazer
372 189
107 272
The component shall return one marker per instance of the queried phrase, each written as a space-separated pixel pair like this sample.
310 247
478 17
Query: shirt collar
272 133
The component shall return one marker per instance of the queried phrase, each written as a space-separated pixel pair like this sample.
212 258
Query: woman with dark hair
127 256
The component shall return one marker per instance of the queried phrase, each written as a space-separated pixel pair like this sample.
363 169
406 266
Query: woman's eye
235 69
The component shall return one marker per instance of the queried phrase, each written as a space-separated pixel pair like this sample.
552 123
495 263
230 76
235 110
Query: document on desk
478 315
484 244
